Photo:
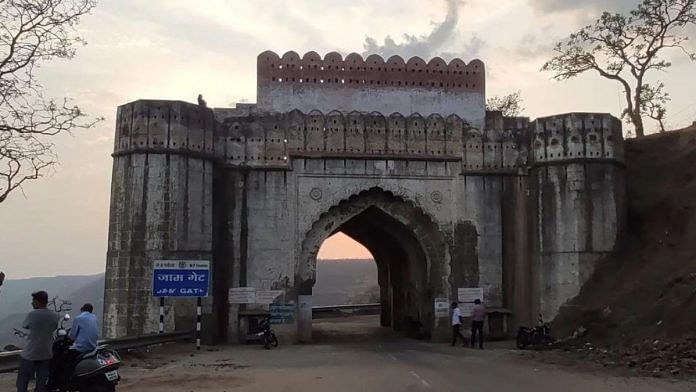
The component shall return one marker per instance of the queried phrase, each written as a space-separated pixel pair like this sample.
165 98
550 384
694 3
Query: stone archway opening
407 247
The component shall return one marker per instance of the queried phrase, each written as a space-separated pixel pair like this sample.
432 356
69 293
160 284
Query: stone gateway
399 155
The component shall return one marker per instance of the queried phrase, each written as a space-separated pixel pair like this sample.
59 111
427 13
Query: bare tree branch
510 105
33 32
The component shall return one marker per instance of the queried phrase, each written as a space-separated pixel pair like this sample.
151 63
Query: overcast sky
175 49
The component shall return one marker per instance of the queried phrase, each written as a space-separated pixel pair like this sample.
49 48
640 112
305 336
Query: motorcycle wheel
274 340
520 344
100 387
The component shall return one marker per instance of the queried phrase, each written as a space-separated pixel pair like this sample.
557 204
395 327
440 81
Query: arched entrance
411 253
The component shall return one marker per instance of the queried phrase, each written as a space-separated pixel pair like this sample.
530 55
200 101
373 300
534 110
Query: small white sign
182 264
442 307
266 297
466 297
242 295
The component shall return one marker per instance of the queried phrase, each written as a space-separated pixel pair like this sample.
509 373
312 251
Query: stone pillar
304 318
383 281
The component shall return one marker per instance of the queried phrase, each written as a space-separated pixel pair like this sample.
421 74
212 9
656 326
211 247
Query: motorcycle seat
90 354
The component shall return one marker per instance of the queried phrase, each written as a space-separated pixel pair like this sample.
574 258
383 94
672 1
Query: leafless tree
60 305
510 105
625 48
31 33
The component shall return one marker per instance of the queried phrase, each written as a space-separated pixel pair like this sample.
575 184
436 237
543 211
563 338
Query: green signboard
282 313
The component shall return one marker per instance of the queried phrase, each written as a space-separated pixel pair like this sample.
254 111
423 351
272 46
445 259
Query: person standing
36 355
456 325
478 315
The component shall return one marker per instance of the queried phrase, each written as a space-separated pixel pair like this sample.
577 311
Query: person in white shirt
456 324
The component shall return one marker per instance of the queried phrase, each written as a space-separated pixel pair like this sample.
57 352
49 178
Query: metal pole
161 321
198 323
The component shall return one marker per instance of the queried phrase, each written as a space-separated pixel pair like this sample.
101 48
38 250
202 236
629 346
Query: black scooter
266 335
96 371
538 337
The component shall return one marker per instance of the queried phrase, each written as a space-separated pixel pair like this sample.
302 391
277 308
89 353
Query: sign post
181 278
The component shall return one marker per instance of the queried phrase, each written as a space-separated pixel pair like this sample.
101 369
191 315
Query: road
355 355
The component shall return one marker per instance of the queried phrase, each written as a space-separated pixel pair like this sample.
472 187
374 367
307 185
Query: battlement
356 84
333 71
272 140
571 136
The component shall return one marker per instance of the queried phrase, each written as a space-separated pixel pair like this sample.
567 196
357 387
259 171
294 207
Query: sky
176 49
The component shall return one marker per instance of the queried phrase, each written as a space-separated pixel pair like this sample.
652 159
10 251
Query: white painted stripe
425 383
198 326
393 357
199 311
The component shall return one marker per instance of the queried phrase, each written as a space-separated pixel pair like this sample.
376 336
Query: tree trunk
637 122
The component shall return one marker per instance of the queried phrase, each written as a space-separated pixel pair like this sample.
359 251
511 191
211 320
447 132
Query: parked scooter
266 335
538 337
96 371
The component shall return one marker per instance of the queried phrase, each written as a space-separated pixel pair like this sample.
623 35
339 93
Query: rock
606 312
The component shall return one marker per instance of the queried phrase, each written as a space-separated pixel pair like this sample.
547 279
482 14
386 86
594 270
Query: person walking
456 325
36 355
478 315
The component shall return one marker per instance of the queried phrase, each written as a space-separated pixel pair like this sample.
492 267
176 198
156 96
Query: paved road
354 355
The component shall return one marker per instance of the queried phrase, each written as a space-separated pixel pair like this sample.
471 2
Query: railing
9 360
338 308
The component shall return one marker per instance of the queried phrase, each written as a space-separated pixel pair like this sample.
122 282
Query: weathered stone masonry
399 155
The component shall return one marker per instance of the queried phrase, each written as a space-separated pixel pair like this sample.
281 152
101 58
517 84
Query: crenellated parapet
577 136
371 84
335 72
271 140
156 125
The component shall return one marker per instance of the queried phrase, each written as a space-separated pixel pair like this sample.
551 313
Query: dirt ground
355 354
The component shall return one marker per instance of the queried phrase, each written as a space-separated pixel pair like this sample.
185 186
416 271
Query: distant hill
343 281
15 299
338 282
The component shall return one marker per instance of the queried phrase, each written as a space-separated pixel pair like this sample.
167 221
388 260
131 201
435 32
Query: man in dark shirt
478 315
37 353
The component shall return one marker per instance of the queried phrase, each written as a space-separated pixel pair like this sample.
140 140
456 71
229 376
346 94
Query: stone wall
523 210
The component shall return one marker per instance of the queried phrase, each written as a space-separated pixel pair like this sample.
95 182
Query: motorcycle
537 337
96 371
266 335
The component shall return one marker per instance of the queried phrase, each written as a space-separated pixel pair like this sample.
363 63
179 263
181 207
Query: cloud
425 46
583 6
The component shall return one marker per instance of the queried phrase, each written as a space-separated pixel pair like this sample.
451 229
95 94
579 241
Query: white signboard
242 295
466 297
267 296
442 307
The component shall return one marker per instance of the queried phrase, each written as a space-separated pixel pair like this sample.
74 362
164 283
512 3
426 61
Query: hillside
344 281
645 296
15 300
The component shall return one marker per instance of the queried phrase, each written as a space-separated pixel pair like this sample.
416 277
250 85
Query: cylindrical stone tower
161 208
577 211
